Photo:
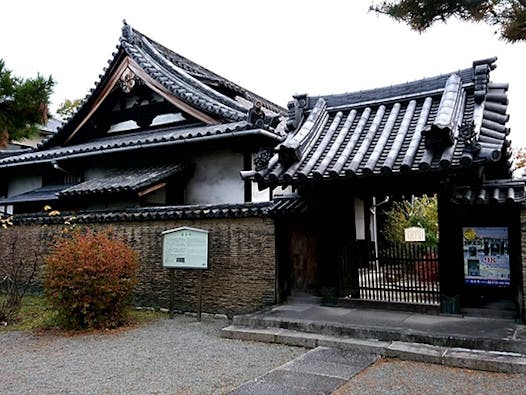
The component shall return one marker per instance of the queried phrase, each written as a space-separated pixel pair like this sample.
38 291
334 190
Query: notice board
486 256
185 248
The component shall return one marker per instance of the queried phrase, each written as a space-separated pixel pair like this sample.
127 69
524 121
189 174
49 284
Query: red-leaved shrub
88 278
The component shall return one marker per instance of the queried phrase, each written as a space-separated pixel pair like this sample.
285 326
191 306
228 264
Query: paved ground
404 377
326 370
182 356
177 356
319 371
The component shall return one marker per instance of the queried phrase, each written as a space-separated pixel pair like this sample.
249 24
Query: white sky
275 48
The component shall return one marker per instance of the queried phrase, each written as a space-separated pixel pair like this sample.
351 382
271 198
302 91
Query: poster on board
486 256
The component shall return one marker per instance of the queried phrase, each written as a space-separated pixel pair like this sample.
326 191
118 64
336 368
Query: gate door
402 273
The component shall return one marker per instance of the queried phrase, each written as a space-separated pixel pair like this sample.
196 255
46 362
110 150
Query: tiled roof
139 140
151 214
51 126
292 204
123 180
184 79
43 194
4 153
451 120
493 192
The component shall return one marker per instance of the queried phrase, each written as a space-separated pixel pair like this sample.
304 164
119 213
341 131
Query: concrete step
496 361
304 298
489 313
476 340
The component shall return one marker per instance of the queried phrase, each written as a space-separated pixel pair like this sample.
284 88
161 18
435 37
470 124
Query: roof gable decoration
456 119
127 76
188 86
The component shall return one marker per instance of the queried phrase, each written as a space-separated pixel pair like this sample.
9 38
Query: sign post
172 292
185 248
199 294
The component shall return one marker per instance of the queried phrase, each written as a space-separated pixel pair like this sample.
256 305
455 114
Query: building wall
216 178
241 273
23 183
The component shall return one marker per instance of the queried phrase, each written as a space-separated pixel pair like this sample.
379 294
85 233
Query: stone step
300 298
382 333
495 361
319 371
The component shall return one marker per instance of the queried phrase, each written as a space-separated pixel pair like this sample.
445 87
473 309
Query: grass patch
36 315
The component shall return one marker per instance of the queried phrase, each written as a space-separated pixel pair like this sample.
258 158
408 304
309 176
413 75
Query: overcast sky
275 48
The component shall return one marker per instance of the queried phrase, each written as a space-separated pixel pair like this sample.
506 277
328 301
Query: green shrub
420 211
88 278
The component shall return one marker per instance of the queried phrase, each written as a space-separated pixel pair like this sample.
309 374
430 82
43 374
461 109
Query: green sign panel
185 248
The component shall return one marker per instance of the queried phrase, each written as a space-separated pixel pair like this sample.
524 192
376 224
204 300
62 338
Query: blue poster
486 256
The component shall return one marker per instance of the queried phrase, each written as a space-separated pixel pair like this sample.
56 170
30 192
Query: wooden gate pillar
449 251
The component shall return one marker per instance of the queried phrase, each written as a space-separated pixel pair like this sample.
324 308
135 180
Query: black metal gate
404 273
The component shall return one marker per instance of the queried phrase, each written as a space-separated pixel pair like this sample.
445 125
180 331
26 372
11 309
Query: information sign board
415 233
185 248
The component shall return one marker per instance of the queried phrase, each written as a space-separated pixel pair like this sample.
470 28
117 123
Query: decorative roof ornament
256 115
127 32
291 150
296 109
262 158
468 134
127 81
441 133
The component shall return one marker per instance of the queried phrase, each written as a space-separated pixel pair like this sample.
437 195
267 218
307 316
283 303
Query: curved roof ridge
414 87
186 78
193 68
228 110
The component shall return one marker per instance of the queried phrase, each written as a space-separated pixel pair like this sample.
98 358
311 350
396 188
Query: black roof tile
427 125
491 192
138 140
186 80
150 214
123 180
42 194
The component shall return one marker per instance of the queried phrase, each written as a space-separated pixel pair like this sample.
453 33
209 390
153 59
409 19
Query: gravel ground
179 356
404 377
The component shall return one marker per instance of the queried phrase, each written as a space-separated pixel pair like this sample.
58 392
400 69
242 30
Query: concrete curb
495 361
381 333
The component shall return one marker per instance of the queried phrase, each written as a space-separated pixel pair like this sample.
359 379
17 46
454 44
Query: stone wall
241 274
523 263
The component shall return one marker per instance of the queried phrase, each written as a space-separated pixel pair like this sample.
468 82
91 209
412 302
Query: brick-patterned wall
523 263
241 273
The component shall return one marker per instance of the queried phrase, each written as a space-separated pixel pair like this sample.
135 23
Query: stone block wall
523 262
241 274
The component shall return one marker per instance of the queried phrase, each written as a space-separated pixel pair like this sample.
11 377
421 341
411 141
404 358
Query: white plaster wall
259 196
359 218
23 184
216 178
